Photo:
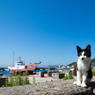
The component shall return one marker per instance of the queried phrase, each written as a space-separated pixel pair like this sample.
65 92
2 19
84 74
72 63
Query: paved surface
41 79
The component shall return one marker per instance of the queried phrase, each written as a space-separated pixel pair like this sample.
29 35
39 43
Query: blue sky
45 30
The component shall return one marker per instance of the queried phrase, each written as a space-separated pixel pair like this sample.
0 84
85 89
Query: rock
63 87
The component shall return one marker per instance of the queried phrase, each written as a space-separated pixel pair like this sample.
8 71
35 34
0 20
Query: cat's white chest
83 67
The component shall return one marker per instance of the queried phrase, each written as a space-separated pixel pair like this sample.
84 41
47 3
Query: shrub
26 73
11 80
19 73
25 81
17 80
65 78
34 80
6 82
70 75
2 86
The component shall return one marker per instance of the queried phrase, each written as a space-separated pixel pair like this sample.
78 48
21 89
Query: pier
44 68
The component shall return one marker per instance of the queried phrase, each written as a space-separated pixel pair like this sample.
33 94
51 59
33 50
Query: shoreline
8 72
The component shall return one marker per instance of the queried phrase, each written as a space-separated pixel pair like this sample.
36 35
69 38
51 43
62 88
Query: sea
7 73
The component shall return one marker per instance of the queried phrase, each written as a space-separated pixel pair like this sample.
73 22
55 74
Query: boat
20 66
6 69
71 69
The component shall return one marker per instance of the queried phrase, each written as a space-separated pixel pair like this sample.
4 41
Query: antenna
13 57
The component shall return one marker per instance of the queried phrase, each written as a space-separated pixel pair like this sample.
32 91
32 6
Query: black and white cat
82 72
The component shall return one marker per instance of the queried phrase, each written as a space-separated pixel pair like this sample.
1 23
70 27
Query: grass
70 76
93 69
34 81
17 80
66 71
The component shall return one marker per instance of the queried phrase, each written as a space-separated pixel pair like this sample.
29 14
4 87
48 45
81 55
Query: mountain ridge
73 63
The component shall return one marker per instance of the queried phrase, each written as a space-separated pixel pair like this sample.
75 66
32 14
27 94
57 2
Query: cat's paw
75 82
78 83
83 85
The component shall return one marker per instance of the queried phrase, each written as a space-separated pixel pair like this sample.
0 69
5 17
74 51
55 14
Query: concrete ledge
59 87
41 74
58 75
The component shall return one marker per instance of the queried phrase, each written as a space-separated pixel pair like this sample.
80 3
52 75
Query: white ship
20 66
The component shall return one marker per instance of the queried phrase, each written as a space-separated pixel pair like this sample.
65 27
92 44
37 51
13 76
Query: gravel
59 87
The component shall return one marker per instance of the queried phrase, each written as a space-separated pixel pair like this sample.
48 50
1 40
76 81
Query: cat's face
84 54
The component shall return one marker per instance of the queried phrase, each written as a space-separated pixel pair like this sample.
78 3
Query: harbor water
7 73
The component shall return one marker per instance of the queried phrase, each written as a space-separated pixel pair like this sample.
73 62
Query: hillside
92 62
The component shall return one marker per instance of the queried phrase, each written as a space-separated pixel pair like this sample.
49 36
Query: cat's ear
88 47
78 50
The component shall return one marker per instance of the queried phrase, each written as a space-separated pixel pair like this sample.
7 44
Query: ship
20 66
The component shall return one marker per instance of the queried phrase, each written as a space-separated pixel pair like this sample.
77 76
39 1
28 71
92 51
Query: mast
13 57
